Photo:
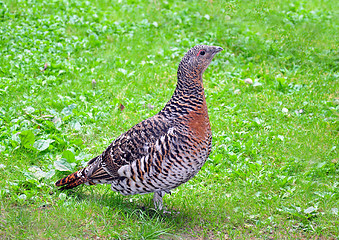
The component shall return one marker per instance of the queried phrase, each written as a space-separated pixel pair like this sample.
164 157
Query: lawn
75 74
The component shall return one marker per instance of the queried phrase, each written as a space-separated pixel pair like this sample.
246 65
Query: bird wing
129 148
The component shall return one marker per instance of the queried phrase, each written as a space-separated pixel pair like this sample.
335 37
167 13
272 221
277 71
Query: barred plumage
164 151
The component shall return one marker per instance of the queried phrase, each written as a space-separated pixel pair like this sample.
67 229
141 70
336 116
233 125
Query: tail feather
79 177
71 181
92 174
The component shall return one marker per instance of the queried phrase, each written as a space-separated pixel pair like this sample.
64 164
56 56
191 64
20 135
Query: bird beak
218 49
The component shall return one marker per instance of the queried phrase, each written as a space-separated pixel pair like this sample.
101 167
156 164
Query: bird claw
167 191
169 212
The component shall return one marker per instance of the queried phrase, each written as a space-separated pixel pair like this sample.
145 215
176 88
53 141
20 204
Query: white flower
248 81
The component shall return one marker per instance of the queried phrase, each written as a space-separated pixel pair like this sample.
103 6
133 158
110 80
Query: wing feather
135 144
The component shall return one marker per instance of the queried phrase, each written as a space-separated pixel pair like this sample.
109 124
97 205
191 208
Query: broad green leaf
57 122
68 110
30 109
16 138
77 141
36 172
63 165
50 174
29 175
42 144
68 155
76 125
27 138
83 156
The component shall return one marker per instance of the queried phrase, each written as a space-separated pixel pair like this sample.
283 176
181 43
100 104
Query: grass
273 171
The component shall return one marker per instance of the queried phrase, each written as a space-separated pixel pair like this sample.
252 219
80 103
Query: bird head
197 59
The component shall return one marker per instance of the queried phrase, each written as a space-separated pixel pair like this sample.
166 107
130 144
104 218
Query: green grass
273 172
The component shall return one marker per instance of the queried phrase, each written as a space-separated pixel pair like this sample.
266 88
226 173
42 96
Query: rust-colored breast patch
199 123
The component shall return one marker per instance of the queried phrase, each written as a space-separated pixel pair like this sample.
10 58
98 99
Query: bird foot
158 202
157 199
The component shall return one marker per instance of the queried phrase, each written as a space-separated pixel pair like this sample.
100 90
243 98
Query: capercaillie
164 151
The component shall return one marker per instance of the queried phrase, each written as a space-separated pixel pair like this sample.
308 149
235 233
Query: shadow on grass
125 204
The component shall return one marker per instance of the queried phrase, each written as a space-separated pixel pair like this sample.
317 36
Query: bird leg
157 199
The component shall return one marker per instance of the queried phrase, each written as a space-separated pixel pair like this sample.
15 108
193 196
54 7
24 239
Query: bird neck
188 95
189 80
188 87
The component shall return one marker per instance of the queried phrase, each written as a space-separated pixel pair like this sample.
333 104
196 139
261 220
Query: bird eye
201 52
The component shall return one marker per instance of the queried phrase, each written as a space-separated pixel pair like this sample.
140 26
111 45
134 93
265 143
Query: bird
164 151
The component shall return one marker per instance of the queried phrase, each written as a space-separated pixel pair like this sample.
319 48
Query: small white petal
248 81
284 110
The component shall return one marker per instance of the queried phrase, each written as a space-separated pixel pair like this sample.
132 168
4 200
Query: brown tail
70 181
